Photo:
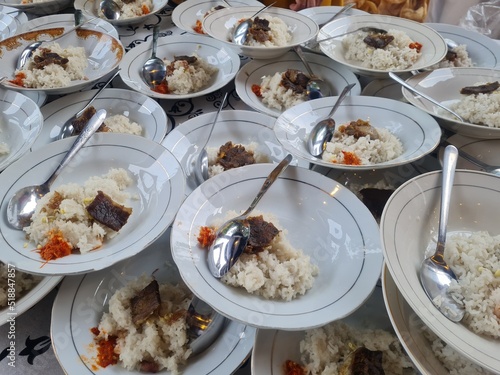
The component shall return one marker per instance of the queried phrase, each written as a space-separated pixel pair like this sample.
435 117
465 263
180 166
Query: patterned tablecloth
33 350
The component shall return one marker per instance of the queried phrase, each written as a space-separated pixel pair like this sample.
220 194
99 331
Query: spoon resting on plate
154 69
22 204
232 237
110 10
316 87
240 32
436 275
204 325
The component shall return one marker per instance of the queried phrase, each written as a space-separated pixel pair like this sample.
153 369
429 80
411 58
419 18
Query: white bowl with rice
38 7
91 55
287 29
409 226
444 85
400 55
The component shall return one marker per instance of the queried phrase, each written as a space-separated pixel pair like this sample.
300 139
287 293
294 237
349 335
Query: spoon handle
273 176
156 33
215 119
261 10
403 83
97 94
76 27
302 58
449 163
344 9
94 123
341 97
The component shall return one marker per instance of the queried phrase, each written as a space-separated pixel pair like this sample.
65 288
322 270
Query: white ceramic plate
8 25
67 21
45 7
336 75
418 131
82 300
20 124
272 347
485 150
219 25
136 107
188 12
482 50
103 52
211 50
433 46
238 126
444 86
159 187
321 217
26 301
90 8
408 225
384 88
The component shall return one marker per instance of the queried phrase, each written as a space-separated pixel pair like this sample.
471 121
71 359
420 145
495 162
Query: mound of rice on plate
24 282
62 223
43 71
270 266
359 143
400 53
145 328
134 8
268 31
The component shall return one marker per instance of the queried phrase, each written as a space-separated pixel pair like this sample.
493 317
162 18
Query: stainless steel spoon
493 169
154 69
204 325
110 10
68 130
201 164
23 203
436 275
323 131
367 29
232 236
316 87
32 47
240 32
403 83
345 8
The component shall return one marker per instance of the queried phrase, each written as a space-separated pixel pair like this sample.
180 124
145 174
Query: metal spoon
493 169
345 8
201 164
23 203
316 87
232 236
154 70
240 33
110 10
30 48
323 131
367 29
403 83
68 130
435 274
204 325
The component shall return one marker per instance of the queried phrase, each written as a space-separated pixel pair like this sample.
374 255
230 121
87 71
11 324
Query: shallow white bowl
103 52
433 46
418 131
135 106
336 75
321 217
220 24
91 8
20 124
444 86
212 51
46 7
409 226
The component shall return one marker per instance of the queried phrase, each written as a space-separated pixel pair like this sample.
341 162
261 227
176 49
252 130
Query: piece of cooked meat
480 89
378 40
295 80
145 303
261 234
188 59
234 156
360 128
260 30
363 361
107 212
47 57
451 55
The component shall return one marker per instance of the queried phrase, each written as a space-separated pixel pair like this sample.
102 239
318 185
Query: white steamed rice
122 124
53 75
187 78
275 95
162 340
461 61
24 282
396 55
279 34
71 217
135 8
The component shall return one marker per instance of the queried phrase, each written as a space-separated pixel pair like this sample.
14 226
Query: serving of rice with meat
46 70
336 347
113 124
145 328
186 74
133 8
359 143
64 219
401 52
269 266
268 31
24 282
457 57
230 156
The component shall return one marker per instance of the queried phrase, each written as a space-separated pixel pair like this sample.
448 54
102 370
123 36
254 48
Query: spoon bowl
232 236
110 9
154 70
240 32
435 274
204 325
22 204
323 131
